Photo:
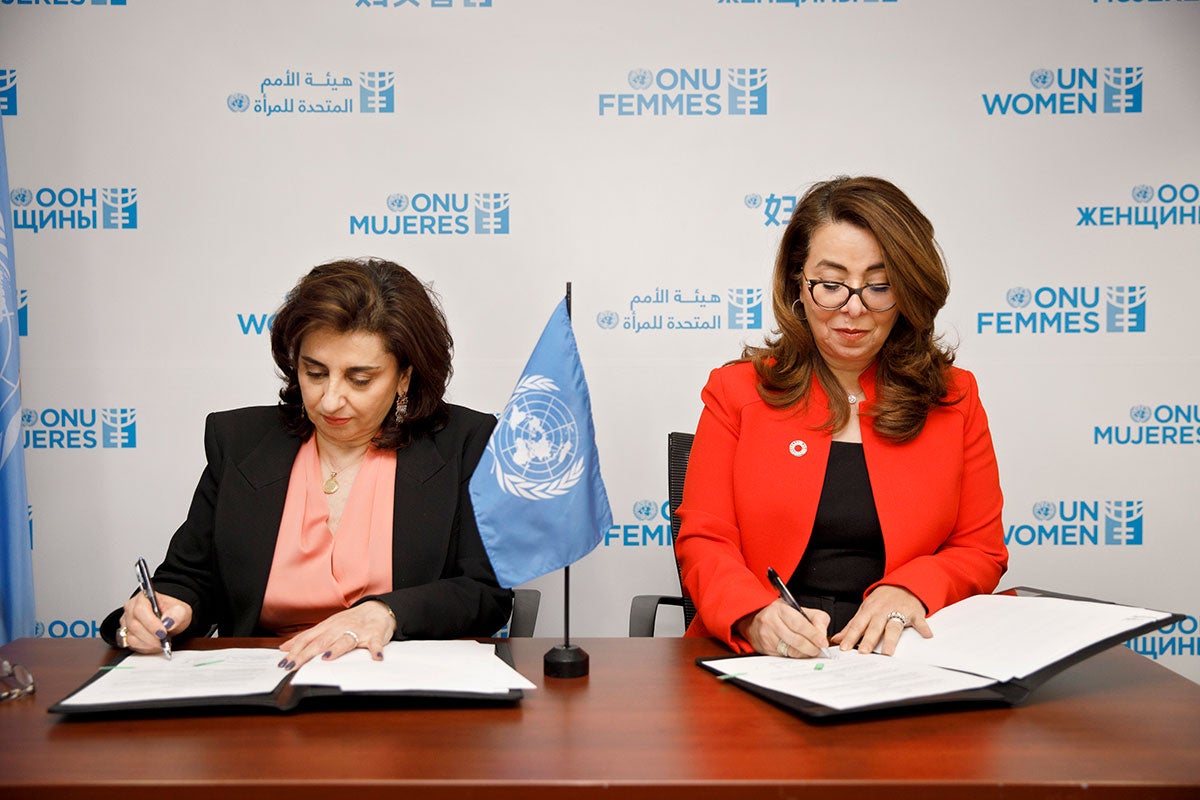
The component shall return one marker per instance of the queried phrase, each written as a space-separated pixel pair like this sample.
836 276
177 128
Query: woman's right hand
769 629
144 632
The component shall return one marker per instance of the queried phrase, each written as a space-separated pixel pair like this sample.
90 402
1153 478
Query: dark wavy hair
913 364
373 296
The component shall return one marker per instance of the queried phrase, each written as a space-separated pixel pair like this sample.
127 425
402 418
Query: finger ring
123 637
352 635
782 648
898 617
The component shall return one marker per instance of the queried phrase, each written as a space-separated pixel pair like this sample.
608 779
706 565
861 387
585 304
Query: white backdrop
176 166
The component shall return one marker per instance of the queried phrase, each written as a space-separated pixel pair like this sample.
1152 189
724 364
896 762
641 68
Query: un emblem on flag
537 452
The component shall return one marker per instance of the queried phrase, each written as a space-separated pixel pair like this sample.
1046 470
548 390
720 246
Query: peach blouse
314 573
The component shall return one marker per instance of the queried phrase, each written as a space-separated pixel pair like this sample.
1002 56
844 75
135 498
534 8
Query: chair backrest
679 449
524 613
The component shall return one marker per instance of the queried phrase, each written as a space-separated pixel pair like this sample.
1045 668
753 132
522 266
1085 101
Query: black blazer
220 558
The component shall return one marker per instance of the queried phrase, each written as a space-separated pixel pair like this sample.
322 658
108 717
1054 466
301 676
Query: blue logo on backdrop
63 2
690 92
686 310
319 94
1154 207
67 629
22 312
255 324
798 3
1176 639
776 209
79 428
1074 523
1073 90
650 526
377 92
1162 424
8 92
1068 310
417 3
118 208
438 214
75 209
745 309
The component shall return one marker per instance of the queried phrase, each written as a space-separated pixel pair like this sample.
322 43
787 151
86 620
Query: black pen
143 576
782 588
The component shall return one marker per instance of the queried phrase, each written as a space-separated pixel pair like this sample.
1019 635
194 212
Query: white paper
848 679
189 673
1006 637
428 666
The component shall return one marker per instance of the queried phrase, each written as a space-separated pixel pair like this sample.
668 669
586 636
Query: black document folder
192 681
848 686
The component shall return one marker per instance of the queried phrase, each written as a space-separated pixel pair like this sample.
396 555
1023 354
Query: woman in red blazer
847 453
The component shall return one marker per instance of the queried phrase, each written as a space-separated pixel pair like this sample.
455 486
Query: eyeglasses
832 295
18 675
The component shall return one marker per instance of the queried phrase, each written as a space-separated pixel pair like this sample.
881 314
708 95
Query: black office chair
643 610
524 613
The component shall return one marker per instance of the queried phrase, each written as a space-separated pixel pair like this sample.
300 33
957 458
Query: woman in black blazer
278 541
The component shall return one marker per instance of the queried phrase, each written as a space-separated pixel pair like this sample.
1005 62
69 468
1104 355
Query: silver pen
143 576
786 596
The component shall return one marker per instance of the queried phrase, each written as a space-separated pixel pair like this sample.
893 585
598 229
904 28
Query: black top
845 553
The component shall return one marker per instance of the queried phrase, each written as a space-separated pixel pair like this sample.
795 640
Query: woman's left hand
369 626
877 621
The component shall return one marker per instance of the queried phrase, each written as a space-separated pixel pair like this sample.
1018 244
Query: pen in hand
786 596
143 576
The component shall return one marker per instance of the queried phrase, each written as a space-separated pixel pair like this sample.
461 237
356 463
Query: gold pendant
331 485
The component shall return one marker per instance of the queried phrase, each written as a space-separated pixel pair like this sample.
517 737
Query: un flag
16 555
538 496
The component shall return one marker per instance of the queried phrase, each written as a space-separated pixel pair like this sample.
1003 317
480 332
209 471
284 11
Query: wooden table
646 723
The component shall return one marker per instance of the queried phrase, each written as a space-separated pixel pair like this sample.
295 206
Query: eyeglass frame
809 282
8 670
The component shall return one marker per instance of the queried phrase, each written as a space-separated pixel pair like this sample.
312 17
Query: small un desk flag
538 496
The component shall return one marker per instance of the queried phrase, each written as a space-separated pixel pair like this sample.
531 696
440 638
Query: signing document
419 667
978 642
422 666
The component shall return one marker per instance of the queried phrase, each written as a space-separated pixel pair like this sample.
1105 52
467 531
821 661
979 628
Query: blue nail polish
328 654
282 662
291 665
162 635
168 622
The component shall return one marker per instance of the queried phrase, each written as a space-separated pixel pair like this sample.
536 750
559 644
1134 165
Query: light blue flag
538 495
16 553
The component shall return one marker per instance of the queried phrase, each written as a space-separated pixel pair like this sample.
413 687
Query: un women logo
640 79
537 455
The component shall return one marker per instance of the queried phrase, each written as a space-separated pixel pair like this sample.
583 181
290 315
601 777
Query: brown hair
912 364
373 296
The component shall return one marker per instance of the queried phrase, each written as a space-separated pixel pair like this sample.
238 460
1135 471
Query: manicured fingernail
168 622
328 654
161 635
379 656
291 665
282 662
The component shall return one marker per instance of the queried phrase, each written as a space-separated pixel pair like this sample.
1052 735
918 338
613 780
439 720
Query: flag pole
566 660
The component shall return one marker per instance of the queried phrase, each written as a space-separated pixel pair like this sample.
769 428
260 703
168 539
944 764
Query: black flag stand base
566 660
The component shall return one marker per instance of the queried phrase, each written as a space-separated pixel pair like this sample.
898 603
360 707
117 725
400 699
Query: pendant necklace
330 486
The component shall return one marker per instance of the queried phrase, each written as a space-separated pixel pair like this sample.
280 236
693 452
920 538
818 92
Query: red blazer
755 476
